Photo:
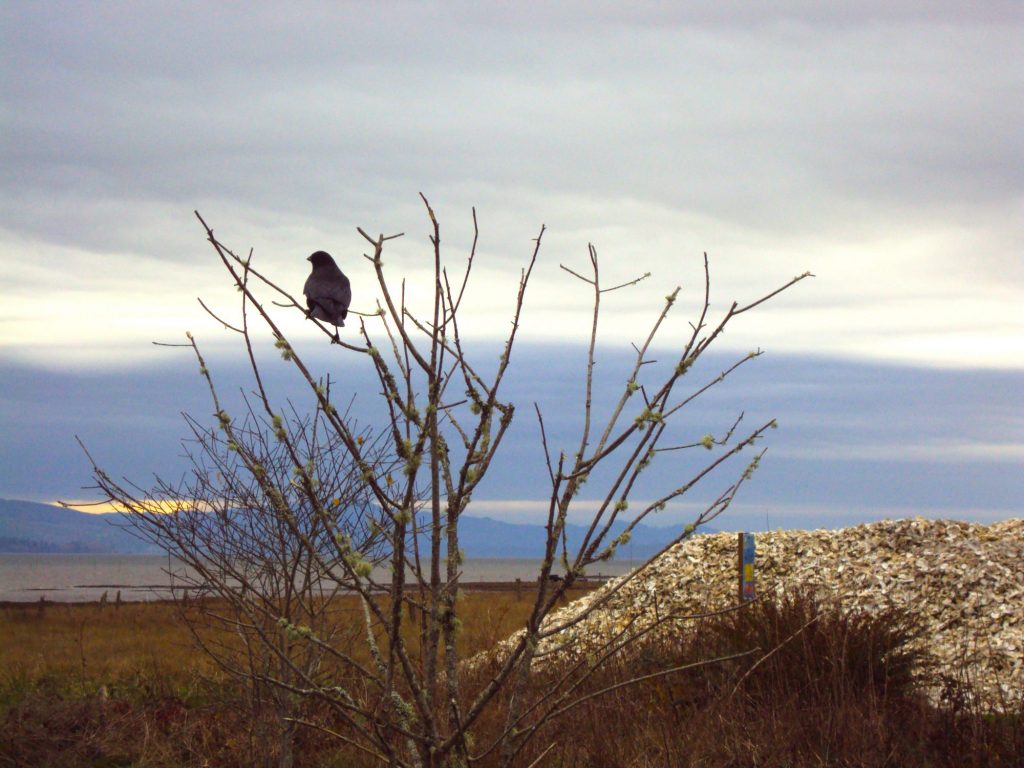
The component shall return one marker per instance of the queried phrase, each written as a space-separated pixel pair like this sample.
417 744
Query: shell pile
965 580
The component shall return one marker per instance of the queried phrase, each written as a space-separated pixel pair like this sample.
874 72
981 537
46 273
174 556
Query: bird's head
320 259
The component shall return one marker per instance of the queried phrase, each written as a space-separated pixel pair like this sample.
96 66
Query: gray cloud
873 143
747 119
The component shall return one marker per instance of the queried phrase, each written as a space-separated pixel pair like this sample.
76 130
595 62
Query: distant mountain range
27 526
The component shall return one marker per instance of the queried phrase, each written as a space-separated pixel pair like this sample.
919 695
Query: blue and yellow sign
747 553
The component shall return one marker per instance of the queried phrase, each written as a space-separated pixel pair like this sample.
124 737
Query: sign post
745 560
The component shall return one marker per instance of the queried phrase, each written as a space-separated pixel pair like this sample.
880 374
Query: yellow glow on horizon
162 506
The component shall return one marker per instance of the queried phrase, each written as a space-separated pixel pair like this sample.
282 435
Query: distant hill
27 526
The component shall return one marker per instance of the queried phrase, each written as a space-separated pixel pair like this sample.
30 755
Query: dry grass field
92 685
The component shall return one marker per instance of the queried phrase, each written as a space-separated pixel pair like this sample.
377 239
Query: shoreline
469 586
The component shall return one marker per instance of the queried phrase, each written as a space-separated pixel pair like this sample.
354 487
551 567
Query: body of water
81 578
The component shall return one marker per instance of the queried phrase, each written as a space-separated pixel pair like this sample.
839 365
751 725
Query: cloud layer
875 144
877 147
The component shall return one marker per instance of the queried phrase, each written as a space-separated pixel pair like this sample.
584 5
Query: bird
327 290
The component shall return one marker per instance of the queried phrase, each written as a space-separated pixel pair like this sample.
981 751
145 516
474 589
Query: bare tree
407 700
260 552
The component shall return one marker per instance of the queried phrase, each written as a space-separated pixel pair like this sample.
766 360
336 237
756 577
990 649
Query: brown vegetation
85 685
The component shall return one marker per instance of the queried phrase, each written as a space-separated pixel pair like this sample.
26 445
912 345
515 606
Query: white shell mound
965 580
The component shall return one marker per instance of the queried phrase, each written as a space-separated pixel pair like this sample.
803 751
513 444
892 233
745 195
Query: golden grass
84 646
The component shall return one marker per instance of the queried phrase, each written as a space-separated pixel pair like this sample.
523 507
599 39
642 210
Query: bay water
84 578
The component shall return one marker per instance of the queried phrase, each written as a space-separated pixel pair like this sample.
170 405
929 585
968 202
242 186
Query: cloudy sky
874 144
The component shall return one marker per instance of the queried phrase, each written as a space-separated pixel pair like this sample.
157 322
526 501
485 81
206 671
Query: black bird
328 292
